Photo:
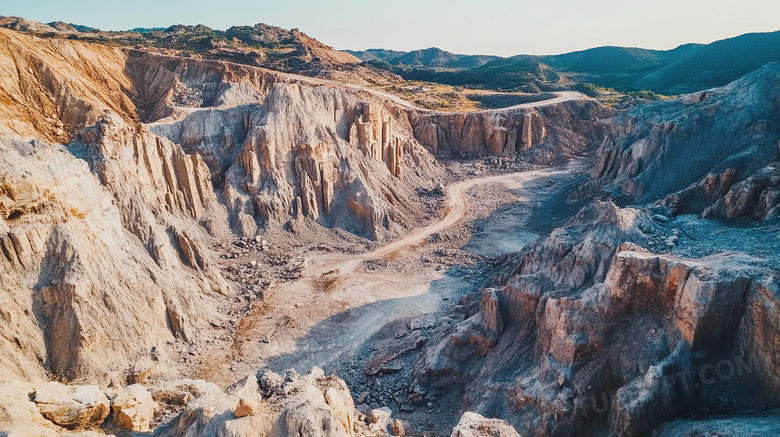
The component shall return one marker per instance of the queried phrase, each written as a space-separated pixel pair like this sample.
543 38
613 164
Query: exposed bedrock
272 142
53 88
262 404
104 243
163 83
309 152
587 331
110 235
716 150
281 149
165 196
75 273
722 196
546 135
326 155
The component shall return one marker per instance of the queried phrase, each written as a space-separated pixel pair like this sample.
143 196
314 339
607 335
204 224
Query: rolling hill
687 68
428 58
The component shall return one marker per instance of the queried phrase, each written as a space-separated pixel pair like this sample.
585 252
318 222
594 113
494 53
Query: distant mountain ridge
432 57
684 69
687 68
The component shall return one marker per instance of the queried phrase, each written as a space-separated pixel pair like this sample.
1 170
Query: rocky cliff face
54 88
624 318
76 280
281 150
320 154
547 135
704 142
110 233
231 149
587 330
121 168
106 236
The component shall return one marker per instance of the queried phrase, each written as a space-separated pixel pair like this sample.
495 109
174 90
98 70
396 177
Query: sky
497 27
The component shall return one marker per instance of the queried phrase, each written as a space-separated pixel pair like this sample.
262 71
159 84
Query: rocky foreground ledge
265 404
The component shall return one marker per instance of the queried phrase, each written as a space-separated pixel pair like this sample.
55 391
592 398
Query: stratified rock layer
546 135
594 331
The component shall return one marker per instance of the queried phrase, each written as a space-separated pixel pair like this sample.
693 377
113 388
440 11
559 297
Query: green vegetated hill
521 73
687 68
431 58
716 64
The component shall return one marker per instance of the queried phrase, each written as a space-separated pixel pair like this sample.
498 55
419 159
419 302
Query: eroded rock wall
52 88
586 330
83 294
326 155
658 149
104 242
546 135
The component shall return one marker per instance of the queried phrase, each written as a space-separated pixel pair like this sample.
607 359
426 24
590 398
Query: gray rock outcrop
133 409
616 333
701 144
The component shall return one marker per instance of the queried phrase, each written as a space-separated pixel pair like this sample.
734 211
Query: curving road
337 308
561 96
456 209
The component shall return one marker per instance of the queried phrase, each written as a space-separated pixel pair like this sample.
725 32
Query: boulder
474 425
133 408
270 380
247 407
294 405
397 427
182 391
379 418
247 386
72 407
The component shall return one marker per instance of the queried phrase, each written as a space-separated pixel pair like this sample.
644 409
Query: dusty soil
352 310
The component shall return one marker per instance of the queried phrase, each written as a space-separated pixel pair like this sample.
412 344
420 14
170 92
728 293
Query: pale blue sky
501 27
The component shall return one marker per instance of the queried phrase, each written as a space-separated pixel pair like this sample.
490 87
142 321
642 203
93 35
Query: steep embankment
94 282
545 133
283 148
706 146
105 254
104 259
54 88
624 318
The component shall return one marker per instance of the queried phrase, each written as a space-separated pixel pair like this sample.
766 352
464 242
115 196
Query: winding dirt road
561 96
456 209
305 324
338 304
